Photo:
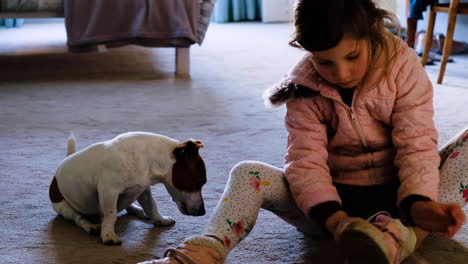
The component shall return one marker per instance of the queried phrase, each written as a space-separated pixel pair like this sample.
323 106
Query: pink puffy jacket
388 132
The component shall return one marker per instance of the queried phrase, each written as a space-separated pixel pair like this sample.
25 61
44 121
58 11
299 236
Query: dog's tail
71 147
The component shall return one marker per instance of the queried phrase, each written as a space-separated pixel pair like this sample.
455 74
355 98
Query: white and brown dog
107 177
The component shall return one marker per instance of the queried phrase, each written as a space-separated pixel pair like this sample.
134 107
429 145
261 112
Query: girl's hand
334 220
446 218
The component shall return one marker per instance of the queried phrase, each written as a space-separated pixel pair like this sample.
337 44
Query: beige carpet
45 93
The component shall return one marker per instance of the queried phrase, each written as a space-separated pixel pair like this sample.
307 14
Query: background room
46 92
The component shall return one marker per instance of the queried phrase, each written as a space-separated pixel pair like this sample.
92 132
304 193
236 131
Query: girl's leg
453 185
252 185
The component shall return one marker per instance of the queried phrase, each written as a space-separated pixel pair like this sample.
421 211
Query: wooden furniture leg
183 62
452 17
429 34
412 25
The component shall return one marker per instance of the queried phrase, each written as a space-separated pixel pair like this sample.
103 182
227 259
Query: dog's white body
109 176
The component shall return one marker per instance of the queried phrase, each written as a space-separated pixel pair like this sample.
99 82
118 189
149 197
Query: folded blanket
113 23
206 9
31 5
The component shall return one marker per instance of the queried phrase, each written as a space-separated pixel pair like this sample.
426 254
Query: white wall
391 5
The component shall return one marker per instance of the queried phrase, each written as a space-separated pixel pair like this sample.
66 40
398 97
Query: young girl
361 140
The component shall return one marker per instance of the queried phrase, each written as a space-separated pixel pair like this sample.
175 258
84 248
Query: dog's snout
196 211
193 210
201 211
190 203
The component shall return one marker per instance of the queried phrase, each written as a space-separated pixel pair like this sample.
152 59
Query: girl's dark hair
320 25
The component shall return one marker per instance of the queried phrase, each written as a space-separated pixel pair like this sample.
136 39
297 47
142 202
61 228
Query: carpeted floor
45 93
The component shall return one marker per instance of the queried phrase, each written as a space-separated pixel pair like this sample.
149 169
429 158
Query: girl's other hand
446 218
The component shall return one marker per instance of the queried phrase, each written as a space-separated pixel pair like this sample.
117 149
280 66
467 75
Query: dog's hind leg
149 206
64 209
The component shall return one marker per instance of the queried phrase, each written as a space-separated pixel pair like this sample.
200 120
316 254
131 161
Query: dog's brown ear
188 148
189 171
197 143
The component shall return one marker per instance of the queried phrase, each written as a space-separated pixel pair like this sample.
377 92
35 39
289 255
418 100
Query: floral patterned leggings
253 185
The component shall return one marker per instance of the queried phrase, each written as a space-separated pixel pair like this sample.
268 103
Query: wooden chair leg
183 62
412 25
429 34
452 17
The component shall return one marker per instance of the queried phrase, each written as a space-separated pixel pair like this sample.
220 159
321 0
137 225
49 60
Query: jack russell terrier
107 177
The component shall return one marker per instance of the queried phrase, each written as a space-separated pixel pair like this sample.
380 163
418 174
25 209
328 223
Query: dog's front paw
165 221
111 239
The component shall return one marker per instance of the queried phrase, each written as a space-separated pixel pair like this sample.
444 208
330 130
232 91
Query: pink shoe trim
181 257
211 242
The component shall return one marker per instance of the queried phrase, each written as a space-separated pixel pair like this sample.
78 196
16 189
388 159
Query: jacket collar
305 74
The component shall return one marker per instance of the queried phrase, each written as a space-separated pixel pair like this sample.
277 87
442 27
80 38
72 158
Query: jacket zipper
358 129
370 161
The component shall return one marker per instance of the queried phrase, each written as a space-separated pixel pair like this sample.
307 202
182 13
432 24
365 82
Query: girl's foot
197 250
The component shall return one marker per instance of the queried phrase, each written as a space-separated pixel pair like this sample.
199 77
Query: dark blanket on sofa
113 23
31 5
